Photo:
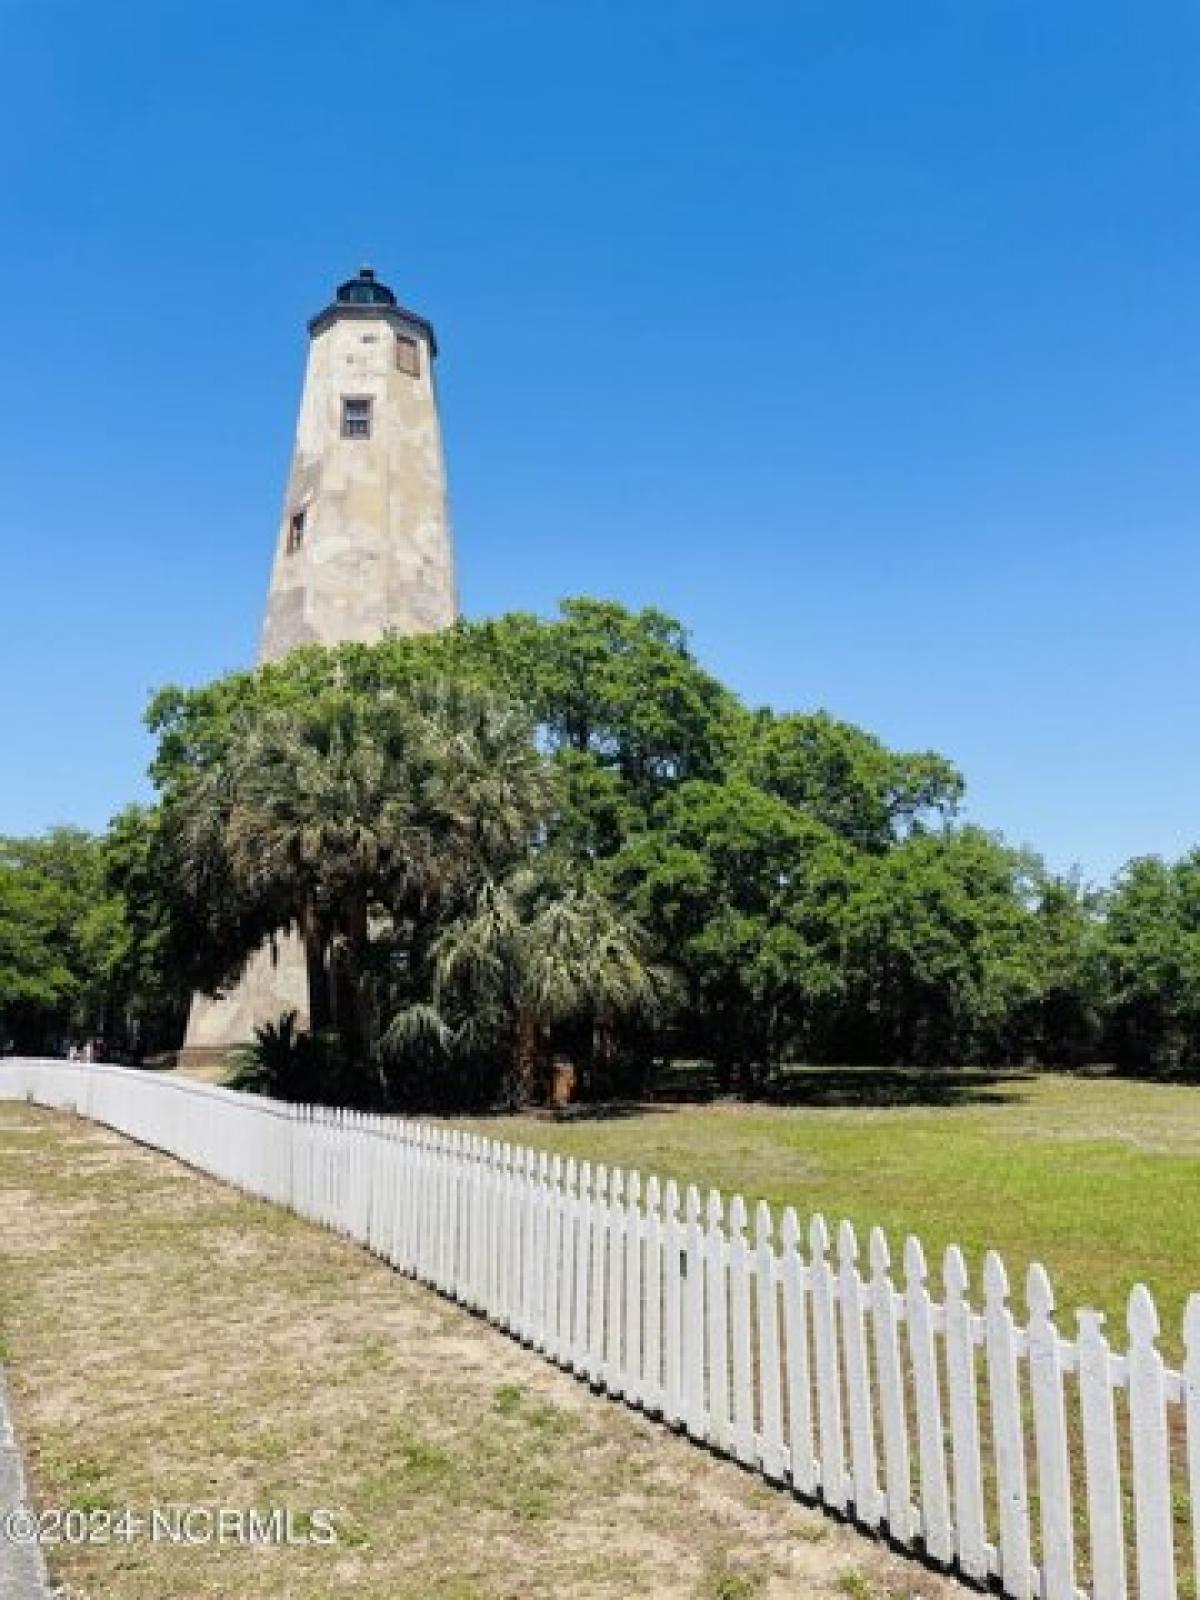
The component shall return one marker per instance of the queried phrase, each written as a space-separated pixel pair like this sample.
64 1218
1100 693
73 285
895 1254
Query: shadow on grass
695 1083
842 1086
582 1111
894 1086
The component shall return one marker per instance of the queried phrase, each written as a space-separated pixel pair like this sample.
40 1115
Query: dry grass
170 1342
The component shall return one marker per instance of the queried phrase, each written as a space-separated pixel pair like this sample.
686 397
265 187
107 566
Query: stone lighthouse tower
364 539
363 549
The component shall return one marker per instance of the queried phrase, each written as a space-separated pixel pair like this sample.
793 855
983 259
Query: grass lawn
171 1342
1098 1178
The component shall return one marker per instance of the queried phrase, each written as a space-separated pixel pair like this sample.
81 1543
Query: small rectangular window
356 416
408 355
296 531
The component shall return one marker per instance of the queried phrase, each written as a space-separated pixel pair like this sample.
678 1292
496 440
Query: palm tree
527 954
351 815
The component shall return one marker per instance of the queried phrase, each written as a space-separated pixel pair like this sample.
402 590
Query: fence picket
1191 1395
583 1258
1050 1436
652 1379
1102 1464
1151 1451
1008 1438
832 1450
567 1229
596 1285
552 1263
495 1227
695 1416
864 1469
885 1320
741 1334
969 1518
673 1409
527 1275
936 1526
631 1336
716 1300
541 1201
802 1455
615 1289
505 1235
769 1387
483 1248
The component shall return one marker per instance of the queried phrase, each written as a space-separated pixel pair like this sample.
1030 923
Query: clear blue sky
865 337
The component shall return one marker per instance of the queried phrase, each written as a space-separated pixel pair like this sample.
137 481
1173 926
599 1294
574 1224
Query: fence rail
1043 1465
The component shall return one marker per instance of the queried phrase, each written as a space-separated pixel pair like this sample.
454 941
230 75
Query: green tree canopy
1149 959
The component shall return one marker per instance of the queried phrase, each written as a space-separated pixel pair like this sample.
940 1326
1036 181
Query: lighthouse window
408 355
356 417
295 532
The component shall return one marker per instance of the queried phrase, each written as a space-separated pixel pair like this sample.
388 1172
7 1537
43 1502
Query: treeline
85 945
523 840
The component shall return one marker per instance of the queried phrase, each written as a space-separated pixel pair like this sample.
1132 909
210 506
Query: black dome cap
365 290
365 296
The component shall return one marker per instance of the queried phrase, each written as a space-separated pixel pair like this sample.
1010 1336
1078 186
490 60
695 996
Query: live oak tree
83 950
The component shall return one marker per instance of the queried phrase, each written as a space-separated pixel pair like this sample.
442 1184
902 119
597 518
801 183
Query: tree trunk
347 965
316 964
527 1060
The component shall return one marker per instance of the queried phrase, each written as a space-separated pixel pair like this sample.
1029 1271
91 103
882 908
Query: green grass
1098 1178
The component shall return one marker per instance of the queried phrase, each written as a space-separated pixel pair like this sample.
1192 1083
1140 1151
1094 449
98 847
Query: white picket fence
1052 1467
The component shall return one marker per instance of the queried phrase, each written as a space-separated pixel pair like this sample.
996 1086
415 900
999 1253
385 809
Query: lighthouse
363 549
363 546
